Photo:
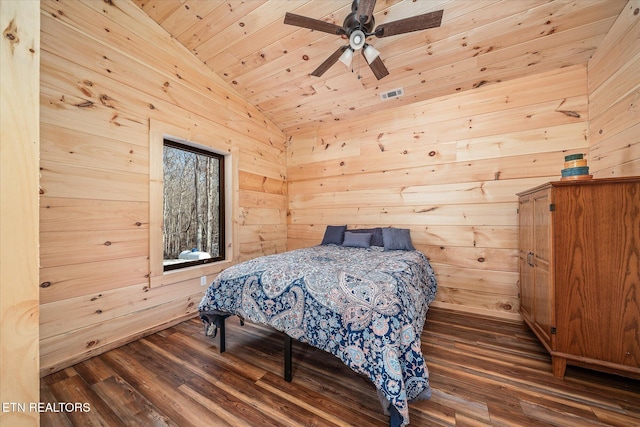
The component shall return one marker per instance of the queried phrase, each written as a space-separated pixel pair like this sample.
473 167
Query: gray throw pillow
333 234
397 239
357 240
376 238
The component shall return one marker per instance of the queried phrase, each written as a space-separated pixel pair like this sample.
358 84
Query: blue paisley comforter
365 306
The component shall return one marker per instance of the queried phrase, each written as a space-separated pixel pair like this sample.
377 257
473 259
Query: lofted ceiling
479 43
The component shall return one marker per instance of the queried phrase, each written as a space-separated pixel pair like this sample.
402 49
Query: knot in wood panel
11 35
569 113
106 100
86 104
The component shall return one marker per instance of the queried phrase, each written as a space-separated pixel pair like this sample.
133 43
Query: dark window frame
222 204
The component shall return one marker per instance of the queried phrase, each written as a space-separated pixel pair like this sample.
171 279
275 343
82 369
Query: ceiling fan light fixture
356 39
370 53
347 57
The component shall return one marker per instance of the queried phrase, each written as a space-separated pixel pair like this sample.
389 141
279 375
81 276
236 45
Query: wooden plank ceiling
479 43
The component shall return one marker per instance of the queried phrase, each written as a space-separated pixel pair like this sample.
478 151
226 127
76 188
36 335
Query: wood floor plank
94 370
275 406
215 362
556 417
475 409
133 408
617 418
333 412
526 390
198 366
75 390
483 372
220 408
234 407
47 418
463 420
159 389
338 384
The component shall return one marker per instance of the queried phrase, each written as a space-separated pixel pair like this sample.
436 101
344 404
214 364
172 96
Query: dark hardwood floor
483 372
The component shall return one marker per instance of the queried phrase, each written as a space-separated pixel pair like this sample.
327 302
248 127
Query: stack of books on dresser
575 168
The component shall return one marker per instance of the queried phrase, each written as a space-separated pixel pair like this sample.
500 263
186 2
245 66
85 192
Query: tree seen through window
193 220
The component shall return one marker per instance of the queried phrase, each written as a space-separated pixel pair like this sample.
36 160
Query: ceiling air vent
392 94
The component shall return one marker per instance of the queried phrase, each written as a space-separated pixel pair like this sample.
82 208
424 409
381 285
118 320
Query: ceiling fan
357 26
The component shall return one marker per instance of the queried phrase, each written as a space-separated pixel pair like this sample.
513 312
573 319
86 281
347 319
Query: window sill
172 277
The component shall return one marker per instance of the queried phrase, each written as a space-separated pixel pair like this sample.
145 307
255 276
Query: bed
358 296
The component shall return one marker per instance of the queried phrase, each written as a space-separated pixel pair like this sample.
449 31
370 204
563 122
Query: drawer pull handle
529 255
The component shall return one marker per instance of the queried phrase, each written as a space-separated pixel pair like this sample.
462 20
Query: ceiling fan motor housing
352 23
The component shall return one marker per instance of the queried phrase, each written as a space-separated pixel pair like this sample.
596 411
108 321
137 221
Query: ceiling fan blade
407 25
312 24
365 8
378 67
329 62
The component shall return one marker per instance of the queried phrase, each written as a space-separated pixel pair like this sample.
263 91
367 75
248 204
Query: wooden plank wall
19 146
449 170
107 70
614 98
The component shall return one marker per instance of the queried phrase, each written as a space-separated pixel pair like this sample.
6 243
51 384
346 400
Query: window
201 138
193 206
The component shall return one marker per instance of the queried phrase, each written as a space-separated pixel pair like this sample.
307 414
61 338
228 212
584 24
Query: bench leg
222 335
287 358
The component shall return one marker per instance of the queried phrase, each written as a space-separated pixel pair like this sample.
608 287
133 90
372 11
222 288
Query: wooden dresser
579 255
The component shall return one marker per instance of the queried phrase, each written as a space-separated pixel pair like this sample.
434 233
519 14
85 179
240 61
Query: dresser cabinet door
543 315
597 270
525 256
